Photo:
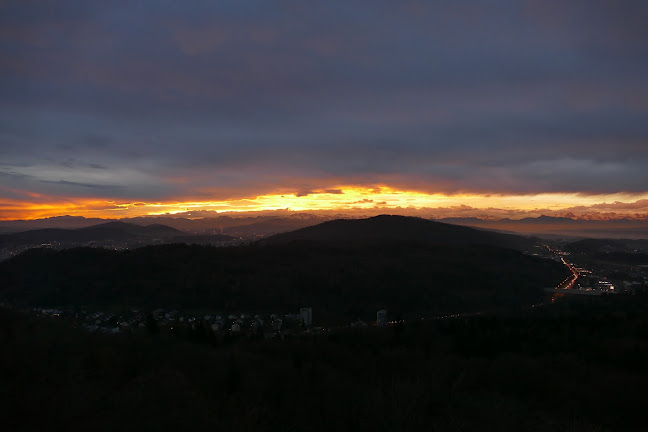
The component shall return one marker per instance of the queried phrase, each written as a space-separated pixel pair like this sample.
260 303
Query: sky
472 108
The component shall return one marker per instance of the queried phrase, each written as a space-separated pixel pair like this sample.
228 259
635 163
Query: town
175 321
605 279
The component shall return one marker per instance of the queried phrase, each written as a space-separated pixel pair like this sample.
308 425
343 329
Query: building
306 316
381 318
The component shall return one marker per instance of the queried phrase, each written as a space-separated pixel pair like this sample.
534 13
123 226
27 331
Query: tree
152 325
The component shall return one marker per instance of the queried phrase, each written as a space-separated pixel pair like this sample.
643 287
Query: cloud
622 206
197 40
247 98
114 188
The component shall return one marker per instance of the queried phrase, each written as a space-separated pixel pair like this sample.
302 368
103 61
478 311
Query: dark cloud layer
209 98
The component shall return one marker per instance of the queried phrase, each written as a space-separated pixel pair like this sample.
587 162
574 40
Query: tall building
381 318
306 316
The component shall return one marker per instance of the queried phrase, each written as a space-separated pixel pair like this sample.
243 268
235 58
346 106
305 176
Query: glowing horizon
345 198
241 107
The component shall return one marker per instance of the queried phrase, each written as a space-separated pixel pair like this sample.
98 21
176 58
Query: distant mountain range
258 226
242 226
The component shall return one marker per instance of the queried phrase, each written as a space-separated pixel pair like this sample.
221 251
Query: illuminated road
569 281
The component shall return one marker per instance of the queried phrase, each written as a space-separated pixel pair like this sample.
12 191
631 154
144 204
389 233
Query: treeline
340 281
572 367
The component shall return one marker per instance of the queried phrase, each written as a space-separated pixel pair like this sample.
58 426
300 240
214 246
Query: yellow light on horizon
380 198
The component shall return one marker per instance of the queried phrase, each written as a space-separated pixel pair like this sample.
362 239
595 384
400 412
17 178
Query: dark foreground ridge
580 369
344 269
575 365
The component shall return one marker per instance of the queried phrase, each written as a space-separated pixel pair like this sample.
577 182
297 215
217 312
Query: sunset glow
349 199
115 111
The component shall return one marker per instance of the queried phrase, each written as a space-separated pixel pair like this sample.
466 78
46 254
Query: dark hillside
544 372
270 226
400 229
115 231
339 281
136 230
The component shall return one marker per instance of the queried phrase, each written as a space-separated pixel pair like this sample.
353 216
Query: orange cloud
341 198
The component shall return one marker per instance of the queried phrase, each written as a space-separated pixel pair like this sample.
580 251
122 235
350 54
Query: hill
341 280
268 226
115 231
136 230
207 224
400 229
62 222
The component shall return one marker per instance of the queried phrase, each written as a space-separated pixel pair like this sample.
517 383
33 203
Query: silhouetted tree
152 325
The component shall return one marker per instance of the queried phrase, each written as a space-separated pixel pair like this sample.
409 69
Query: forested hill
338 279
400 229
116 231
